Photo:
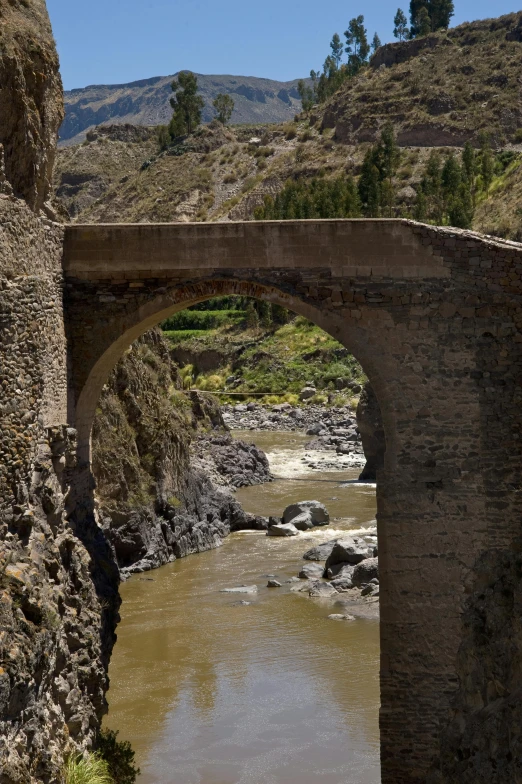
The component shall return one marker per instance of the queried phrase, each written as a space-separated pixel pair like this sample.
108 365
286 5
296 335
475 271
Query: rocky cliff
58 581
165 464
30 97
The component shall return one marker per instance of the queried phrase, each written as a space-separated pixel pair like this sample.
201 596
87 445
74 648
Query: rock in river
339 617
322 590
321 552
366 571
311 571
273 584
240 589
316 511
282 529
350 550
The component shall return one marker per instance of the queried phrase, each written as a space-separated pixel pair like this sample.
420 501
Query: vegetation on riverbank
266 351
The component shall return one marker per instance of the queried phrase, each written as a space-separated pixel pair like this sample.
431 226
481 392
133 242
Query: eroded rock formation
165 464
30 97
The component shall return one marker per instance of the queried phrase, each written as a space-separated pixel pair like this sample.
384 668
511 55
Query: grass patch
87 770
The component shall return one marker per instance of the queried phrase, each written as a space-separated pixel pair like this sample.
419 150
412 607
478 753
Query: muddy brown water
210 691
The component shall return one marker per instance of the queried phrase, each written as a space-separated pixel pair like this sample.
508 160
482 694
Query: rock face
369 422
161 497
30 97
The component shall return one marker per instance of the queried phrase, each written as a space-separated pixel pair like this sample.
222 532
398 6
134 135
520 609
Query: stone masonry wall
55 636
441 344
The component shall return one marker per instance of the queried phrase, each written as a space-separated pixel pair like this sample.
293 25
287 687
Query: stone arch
169 301
433 315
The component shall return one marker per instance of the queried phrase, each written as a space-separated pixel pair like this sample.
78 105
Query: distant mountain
146 102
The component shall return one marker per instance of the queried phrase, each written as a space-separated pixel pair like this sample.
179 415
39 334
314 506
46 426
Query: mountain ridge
147 102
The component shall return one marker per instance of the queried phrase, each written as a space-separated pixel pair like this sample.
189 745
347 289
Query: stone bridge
434 316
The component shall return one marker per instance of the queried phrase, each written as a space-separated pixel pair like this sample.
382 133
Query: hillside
225 173
441 89
146 102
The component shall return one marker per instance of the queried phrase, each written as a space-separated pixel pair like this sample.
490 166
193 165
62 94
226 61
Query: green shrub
91 769
518 136
118 755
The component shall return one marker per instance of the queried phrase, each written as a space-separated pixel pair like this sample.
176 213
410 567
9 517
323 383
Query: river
211 691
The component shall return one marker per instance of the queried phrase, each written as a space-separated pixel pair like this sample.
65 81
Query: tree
435 16
252 317
187 104
336 45
307 93
487 162
431 186
224 106
357 46
469 169
423 22
400 30
440 12
376 43
390 156
451 177
369 186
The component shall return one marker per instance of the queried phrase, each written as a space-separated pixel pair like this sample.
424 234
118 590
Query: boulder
240 589
339 617
317 512
311 571
273 584
303 522
366 571
282 529
307 393
320 552
342 583
350 550
322 590
339 570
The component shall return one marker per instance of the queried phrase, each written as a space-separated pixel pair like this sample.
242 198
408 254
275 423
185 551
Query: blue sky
113 41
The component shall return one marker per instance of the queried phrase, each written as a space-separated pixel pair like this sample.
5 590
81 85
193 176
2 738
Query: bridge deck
359 247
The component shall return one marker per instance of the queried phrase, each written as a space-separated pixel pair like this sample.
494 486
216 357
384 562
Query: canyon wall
58 583
58 594
31 98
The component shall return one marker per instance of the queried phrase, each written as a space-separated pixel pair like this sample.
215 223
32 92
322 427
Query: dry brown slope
438 90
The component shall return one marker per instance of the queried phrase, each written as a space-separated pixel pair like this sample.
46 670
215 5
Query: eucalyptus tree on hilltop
336 45
400 29
440 12
422 23
430 15
224 106
376 43
357 46
187 104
